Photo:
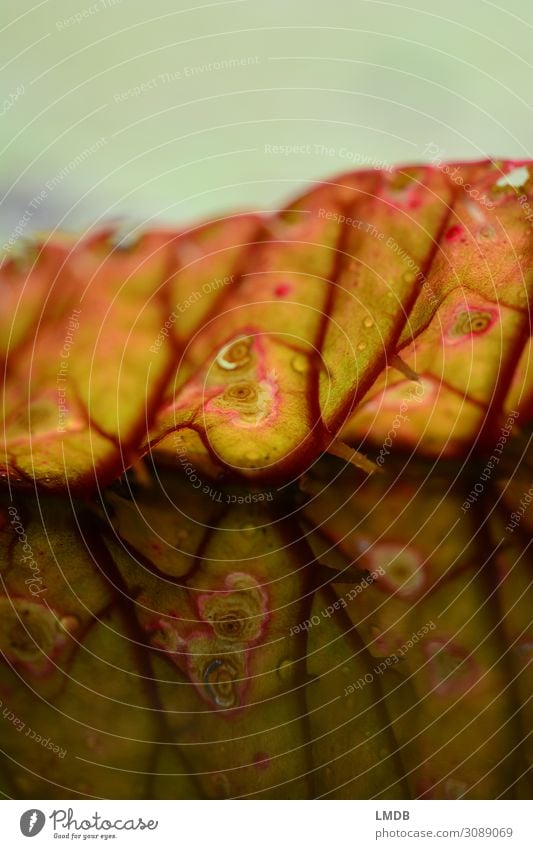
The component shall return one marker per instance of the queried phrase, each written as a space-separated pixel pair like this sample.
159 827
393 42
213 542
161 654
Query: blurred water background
171 111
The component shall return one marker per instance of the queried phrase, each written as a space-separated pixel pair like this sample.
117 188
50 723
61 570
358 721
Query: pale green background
363 78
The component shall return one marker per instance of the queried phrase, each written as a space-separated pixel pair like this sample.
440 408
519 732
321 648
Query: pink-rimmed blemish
247 404
164 635
401 568
32 635
452 670
470 322
238 612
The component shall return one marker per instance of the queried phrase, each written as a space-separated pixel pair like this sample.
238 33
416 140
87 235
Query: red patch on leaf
454 233
261 761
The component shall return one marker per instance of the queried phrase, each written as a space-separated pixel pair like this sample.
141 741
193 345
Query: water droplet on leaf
300 363
252 457
69 623
284 669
